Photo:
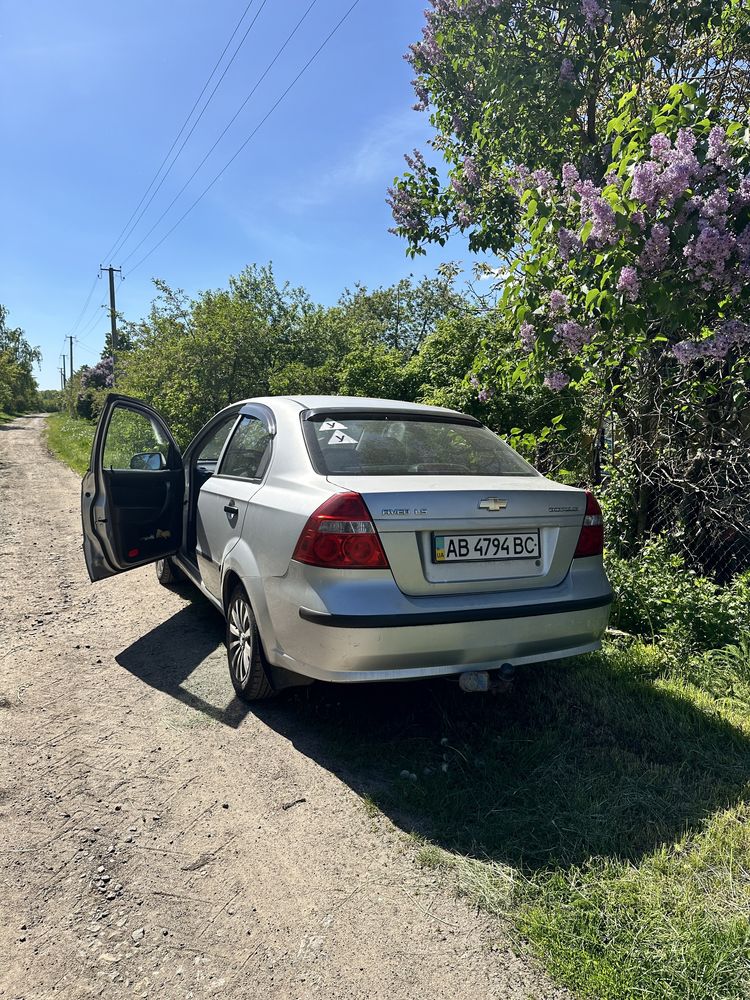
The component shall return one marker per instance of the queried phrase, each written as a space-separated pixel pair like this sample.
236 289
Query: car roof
364 403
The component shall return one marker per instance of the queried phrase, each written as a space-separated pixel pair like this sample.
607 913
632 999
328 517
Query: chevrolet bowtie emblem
493 503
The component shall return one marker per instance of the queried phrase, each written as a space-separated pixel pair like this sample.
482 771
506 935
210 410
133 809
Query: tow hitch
497 681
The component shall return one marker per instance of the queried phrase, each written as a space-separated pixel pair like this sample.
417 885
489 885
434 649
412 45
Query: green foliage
49 400
191 358
656 594
537 84
70 440
18 386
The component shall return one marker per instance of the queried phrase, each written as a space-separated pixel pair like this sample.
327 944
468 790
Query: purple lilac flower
519 179
569 244
638 219
423 96
685 143
629 283
570 176
728 334
604 219
463 215
483 395
654 255
661 146
543 179
742 194
594 208
556 380
405 209
528 336
567 71
458 185
718 148
572 335
708 252
743 245
593 14
558 302
471 172
415 161
645 186
716 206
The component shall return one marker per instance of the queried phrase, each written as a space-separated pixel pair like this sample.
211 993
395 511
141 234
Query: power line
83 310
121 241
229 124
263 120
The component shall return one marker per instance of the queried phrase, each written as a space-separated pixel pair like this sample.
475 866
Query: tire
167 573
244 651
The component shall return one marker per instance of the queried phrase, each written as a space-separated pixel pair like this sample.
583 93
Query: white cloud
373 162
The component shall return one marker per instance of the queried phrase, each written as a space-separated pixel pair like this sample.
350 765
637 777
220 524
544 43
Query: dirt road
157 839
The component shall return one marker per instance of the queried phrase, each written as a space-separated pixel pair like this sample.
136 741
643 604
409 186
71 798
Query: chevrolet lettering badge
493 503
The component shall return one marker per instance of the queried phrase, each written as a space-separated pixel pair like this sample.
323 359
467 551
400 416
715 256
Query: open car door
131 496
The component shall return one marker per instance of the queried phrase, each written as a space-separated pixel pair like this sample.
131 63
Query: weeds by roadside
69 440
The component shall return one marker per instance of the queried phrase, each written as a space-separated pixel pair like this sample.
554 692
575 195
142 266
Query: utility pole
64 373
112 312
70 338
62 379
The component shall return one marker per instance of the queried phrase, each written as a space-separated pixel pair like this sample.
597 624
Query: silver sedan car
351 540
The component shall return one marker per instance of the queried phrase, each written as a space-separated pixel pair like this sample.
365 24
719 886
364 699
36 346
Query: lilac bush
100 376
654 257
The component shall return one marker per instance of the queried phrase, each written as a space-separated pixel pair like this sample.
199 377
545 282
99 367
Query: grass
5 418
602 811
70 440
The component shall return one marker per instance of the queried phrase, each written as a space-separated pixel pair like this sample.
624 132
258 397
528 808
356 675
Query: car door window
208 456
134 441
248 452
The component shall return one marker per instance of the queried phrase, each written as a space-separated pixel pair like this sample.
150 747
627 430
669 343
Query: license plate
484 548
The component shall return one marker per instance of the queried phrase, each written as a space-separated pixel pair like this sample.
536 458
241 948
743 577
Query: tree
18 386
635 291
518 81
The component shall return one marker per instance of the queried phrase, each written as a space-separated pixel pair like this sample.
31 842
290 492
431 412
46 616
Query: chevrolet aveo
349 539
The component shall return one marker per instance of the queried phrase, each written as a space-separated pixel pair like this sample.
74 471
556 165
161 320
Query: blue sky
91 97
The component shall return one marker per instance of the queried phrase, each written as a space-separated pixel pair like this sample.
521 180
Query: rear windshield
402 445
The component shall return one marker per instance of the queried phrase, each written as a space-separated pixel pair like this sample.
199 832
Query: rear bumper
316 628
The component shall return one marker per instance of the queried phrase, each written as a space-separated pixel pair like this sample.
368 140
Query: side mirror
151 461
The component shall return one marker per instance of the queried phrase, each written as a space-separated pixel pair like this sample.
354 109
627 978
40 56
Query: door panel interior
145 512
132 495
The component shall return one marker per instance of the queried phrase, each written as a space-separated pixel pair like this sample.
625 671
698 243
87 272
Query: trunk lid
411 511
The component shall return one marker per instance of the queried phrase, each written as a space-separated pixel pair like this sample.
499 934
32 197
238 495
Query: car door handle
231 509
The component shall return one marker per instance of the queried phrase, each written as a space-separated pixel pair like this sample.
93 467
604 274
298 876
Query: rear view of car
439 550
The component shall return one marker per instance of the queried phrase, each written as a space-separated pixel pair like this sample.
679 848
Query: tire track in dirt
145 850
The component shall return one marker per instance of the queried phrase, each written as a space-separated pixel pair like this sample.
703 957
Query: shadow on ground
168 658
12 426
582 759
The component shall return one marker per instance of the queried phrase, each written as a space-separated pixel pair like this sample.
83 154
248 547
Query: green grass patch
5 418
70 440
601 810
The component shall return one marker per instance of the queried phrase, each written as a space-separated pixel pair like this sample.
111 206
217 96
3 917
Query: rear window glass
401 445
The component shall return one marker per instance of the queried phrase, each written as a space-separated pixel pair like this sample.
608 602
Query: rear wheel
167 573
244 651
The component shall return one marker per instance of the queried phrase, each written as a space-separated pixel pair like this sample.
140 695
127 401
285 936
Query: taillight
591 539
341 535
